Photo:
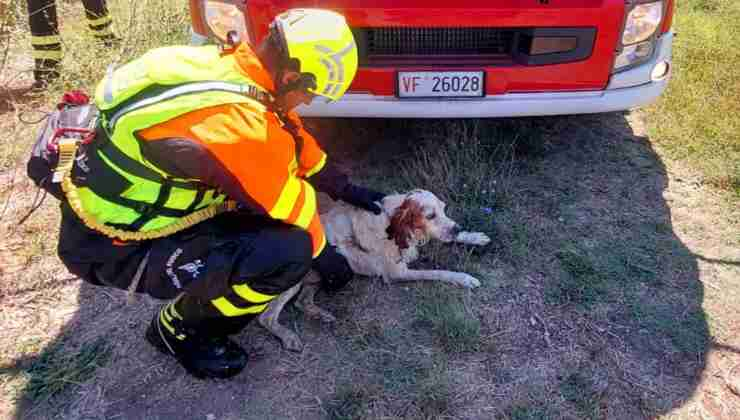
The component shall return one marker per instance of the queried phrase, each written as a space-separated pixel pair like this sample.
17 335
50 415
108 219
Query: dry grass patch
141 25
37 368
608 289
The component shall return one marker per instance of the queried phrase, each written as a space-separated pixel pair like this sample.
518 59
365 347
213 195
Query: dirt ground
609 291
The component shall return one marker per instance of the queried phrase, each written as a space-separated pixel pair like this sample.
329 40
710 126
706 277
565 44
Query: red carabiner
87 137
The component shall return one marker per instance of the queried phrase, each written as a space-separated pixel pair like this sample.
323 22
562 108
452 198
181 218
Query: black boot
202 355
44 75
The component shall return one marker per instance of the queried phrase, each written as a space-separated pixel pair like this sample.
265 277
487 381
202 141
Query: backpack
74 118
60 150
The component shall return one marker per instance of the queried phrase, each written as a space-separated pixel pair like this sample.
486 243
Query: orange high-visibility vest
254 147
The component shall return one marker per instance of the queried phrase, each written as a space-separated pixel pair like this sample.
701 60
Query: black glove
333 268
362 197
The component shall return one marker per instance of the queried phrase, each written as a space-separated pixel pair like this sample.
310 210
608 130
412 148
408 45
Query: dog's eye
431 216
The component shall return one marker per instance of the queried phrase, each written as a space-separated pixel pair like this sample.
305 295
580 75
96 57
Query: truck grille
425 43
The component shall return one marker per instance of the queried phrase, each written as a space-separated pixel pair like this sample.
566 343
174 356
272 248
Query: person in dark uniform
184 131
46 42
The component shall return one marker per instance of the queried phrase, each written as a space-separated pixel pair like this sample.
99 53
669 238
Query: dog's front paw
468 281
473 238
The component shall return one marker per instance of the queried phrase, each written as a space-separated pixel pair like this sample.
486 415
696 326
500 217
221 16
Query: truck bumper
631 88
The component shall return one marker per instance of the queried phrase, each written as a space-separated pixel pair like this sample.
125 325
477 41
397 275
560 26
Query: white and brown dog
380 246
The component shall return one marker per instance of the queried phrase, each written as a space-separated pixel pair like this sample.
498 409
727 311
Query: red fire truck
471 58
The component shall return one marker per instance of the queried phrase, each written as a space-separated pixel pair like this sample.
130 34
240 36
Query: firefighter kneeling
184 130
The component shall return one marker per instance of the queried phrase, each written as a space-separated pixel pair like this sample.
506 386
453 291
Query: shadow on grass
582 239
590 304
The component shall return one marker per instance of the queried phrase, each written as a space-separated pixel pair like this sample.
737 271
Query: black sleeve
331 180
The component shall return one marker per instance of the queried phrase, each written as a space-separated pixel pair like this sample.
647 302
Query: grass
581 283
583 237
527 412
36 366
435 396
398 371
519 239
57 370
578 390
686 332
449 318
695 121
593 272
404 388
85 61
387 378
349 403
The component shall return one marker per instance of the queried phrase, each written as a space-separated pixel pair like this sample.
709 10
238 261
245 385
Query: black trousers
223 271
45 40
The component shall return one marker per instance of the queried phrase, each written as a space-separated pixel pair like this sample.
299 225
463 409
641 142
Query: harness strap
155 209
70 191
130 298
67 150
147 211
109 188
199 196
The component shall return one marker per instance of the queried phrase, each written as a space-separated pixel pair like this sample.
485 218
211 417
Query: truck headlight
633 54
222 17
642 22
638 40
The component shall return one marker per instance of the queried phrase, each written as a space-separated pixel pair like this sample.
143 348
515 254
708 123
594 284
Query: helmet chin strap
304 82
284 88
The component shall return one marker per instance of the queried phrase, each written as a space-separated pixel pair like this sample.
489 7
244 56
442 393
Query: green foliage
434 392
581 283
578 390
446 314
687 331
696 120
55 370
349 403
527 412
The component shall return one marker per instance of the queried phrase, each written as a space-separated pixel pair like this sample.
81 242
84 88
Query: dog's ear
407 218
391 202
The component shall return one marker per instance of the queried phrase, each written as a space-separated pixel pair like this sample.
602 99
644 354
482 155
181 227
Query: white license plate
440 84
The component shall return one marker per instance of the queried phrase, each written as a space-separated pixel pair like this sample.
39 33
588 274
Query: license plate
440 84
